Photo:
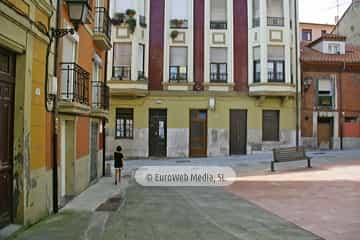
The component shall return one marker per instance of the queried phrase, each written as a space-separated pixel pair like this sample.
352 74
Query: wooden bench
289 155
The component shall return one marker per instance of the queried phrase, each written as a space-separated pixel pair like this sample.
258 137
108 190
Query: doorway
157 132
238 132
325 133
198 133
7 89
67 158
94 151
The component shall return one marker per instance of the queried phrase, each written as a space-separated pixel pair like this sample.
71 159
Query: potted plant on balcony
130 12
118 18
174 34
131 24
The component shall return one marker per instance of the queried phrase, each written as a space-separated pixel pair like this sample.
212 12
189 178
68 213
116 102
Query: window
218 65
179 13
142 18
325 93
275 13
178 64
124 126
276 64
141 62
306 35
257 65
218 14
334 48
323 32
271 125
256 13
96 90
351 119
122 61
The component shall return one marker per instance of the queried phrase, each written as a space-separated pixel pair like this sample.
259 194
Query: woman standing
119 163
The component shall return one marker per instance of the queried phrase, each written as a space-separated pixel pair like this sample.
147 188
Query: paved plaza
292 203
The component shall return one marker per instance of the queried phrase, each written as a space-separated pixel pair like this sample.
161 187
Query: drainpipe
297 75
104 120
341 117
55 117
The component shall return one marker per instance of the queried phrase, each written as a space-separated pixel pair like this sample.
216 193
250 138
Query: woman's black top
118 156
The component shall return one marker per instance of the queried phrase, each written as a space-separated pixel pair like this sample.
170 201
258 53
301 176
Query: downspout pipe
297 76
341 117
55 117
107 100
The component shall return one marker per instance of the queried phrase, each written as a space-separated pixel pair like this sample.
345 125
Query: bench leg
272 167
309 163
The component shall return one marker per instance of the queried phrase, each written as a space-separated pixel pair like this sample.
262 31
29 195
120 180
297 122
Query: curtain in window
123 5
122 54
142 7
178 56
325 85
218 10
141 51
256 53
275 8
276 53
256 8
218 55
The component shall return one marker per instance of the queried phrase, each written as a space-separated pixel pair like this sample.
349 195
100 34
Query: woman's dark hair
118 148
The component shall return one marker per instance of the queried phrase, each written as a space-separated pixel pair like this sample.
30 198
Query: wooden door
7 86
238 132
198 133
324 133
157 132
94 151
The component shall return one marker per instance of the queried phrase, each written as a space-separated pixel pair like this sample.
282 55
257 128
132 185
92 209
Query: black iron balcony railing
325 101
276 77
74 83
218 25
100 95
102 21
122 72
142 21
256 22
141 75
179 23
218 77
178 74
275 21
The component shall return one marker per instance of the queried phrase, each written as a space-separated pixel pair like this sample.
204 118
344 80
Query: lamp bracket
61 32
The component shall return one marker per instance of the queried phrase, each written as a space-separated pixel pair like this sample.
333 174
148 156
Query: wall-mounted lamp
307 83
212 103
78 11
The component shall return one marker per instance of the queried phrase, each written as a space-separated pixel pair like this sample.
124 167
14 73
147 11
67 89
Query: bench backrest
289 154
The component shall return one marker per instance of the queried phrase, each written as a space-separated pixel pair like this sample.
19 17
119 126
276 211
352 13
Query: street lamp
78 11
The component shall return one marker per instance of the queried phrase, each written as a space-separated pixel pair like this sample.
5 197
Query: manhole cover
111 205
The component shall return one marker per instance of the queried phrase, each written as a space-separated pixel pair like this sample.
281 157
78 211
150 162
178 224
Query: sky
321 11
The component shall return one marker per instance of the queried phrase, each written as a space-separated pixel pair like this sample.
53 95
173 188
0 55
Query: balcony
122 85
121 73
142 21
275 21
276 77
256 22
179 23
272 89
325 102
218 77
218 25
100 99
74 93
102 29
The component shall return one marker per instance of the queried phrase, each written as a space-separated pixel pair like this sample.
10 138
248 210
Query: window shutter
178 56
276 53
218 55
218 10
122 54
325 85
271 125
